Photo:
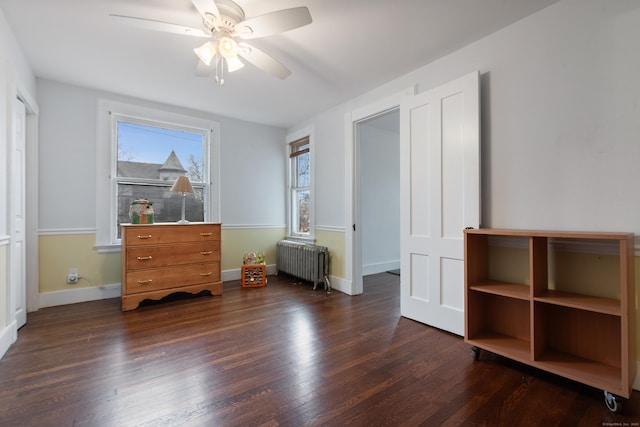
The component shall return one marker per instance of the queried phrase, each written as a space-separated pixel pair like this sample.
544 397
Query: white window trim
299 134
106 158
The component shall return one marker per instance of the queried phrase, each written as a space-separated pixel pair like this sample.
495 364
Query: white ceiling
351 47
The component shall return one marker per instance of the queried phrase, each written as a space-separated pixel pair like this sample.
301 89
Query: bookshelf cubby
542 318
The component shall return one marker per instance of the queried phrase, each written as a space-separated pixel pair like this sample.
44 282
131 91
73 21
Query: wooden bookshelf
586 338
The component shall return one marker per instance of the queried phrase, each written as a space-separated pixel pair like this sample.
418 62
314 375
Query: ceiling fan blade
206 6
274 22
167 27
263 61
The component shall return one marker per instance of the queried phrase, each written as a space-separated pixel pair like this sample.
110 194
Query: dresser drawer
154 234
164 255
172 277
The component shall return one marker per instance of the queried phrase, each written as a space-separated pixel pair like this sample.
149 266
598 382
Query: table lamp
182 185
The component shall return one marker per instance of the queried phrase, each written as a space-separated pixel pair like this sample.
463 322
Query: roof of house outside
173 164
170 168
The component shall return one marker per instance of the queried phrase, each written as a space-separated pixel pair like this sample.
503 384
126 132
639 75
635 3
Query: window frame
107 156
204 186
291 190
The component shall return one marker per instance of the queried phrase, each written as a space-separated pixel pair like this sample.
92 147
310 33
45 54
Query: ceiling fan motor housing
230 15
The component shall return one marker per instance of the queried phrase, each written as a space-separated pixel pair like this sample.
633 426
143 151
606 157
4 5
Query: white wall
379 159
560 106
15 74
252 161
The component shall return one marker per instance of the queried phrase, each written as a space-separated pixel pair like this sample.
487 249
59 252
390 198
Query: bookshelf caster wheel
475 351
614 403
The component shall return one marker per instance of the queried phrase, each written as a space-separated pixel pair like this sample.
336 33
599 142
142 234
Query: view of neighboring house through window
149 159
300 187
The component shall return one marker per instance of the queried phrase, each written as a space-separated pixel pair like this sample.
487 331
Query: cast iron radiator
304 261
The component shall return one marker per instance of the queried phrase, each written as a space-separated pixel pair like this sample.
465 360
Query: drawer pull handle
146 236
206 274
145 282
206 252
206 234
145 258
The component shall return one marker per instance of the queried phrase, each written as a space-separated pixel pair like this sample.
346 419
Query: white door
18 284
440 196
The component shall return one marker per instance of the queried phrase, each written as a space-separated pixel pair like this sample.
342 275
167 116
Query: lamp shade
182 185
206 52
234 64
228 47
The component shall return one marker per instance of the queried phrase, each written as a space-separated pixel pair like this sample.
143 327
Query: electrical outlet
73 275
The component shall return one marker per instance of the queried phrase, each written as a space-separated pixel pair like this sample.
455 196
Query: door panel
419 271
440 196
419 174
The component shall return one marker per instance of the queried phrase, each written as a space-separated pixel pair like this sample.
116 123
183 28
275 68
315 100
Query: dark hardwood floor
283 355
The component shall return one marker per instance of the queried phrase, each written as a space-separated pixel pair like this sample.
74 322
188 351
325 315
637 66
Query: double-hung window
141 152
151 157
300 194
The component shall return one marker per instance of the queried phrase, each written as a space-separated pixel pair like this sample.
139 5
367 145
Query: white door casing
440 196
17 189
353 250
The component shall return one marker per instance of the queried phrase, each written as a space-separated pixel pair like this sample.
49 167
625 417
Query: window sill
301 239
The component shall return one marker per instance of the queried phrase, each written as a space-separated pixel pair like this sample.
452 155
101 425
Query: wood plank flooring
283 355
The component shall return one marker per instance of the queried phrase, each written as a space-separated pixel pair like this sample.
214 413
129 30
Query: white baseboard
73 296
380 267
7 337
340 284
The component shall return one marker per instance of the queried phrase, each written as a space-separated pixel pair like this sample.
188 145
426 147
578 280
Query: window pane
167 206
150 152
303 172
303 207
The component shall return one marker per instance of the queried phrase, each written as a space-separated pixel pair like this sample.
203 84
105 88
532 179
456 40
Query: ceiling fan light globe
234 64
206 52
228 47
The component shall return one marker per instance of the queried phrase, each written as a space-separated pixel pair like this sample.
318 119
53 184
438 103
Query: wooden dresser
164 258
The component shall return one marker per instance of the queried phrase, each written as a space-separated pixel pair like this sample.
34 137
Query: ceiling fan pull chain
217 70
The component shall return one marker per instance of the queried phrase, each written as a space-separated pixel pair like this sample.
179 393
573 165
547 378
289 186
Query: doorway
353 214
377 152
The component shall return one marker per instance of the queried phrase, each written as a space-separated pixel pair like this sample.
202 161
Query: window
300 194
149 159
139 154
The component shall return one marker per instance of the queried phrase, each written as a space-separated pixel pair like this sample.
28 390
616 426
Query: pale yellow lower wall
238 241
334 241
59 253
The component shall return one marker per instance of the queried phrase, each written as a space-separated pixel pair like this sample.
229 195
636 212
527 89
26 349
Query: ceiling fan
224 23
